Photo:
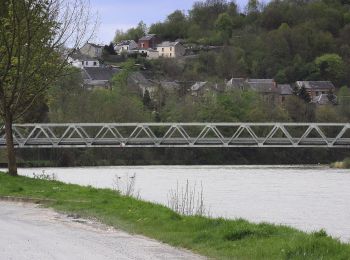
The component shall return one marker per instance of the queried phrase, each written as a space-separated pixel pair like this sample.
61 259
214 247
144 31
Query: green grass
216 238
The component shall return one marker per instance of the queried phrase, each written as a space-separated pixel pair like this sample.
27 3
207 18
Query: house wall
172 51
127 48
147 44
316 92
144 44
91 51
90 63
84 63
152 55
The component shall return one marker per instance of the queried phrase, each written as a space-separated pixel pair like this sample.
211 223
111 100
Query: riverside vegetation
216 238
342 164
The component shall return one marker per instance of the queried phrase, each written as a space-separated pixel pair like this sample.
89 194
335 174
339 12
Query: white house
81 61
125 46
171 49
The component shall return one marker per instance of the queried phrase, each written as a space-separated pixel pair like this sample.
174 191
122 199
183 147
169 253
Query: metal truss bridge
327 135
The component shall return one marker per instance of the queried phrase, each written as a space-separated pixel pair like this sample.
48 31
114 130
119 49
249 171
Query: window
95 63
142 45
171 48
127 47
82 63
162 49
86 63
170 54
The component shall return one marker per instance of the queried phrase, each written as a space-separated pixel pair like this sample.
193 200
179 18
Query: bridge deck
329 135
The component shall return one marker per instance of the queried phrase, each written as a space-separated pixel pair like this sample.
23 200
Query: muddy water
308 198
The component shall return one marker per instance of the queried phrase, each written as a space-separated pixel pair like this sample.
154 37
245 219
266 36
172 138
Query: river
305 197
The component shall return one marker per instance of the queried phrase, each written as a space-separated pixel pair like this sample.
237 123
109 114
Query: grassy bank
342 164
217 238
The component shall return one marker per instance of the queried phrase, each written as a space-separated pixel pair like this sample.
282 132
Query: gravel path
30 232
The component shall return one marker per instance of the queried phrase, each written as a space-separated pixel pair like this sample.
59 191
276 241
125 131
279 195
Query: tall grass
187 200
125 185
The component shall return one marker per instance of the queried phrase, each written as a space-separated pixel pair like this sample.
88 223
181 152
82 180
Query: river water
308 198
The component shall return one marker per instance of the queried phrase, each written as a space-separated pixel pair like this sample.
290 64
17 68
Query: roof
260 80
95 45
167 44
169 85
147 37
316 84
285 89
263 85
235 83
126 42
100 73
198 85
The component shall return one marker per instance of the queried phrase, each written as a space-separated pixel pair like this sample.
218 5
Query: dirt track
30 232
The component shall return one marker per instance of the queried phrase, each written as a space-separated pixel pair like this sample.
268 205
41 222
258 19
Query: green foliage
344 102
29 60
224 25
330 67
216 238
69 102
131 34
174 27
287 40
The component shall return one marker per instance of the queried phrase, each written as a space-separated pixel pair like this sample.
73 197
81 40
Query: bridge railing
179 135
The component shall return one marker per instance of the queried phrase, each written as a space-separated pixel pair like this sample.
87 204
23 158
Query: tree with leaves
134 33
33 37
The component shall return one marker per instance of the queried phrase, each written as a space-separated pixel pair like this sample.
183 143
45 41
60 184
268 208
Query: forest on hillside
287 40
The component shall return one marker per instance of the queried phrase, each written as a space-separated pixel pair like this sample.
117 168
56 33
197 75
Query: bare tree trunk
11 155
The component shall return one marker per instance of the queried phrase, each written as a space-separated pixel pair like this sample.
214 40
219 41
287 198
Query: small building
125 46
171 49
236 84
170 86
266 87
138 83
98 77
148 41
150 54
316 88
80 61
285 91
199 88
324 99
92 50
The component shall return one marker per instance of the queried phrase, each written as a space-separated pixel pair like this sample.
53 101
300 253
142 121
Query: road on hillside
30 232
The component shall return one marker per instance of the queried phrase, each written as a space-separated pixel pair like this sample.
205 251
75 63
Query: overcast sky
123 14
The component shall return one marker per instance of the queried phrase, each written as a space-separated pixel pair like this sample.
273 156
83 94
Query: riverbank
217 238
345 164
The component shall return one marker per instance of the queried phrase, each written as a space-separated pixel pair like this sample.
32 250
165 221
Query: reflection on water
308 198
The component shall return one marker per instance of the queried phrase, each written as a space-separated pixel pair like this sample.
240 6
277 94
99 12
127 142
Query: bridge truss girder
77 135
